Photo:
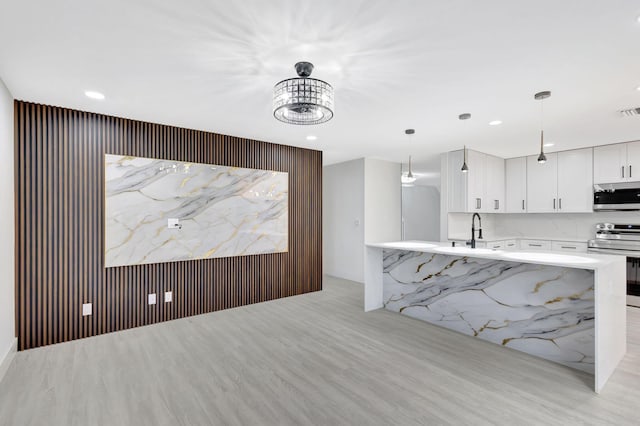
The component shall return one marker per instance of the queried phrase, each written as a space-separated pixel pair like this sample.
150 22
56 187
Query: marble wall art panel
547 311
222 211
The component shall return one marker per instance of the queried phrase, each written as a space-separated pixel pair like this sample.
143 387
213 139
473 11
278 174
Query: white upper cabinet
542 184
494 185
575 181
610 163
481 189
616 163
633 160
476 201
516 185
563 184
456 183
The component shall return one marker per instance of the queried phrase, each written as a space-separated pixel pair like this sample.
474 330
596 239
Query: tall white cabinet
616 163
563 184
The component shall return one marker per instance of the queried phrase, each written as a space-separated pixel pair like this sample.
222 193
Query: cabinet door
516 185
493 185
609 163
535 244
475 182
542 180
575 181
633 161
456 183
496 245
511 245
569 246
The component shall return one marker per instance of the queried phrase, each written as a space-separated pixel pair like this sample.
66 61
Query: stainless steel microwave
616 196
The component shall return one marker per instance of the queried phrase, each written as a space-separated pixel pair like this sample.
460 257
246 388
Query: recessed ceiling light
495 123
312 138
638 88
548 144
94 95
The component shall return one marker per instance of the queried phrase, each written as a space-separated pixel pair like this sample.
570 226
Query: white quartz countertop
581 260
493 239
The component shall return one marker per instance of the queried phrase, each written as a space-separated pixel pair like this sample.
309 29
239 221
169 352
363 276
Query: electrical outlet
86 309
168 296
152 299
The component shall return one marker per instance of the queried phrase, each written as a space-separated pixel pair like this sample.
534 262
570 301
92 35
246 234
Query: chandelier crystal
303 100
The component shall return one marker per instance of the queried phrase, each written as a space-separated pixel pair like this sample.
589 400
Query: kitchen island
566 308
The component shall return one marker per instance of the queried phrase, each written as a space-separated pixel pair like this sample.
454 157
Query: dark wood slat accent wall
60 227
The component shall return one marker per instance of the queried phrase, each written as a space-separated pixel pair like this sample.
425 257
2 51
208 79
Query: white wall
361 201
543 225
421 213
343 220
382 201
7 230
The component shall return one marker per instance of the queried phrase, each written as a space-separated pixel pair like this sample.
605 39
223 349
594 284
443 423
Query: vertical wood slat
59 160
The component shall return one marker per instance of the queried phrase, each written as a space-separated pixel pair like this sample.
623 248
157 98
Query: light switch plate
168 296
152 299
173 223
87 309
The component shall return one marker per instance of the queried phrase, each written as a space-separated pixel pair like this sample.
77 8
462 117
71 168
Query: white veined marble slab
223 211
547 311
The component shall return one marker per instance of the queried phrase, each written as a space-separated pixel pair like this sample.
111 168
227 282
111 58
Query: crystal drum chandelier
303 100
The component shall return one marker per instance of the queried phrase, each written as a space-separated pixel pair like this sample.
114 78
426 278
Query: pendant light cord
542 125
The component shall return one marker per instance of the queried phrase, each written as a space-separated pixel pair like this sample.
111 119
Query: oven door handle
627 253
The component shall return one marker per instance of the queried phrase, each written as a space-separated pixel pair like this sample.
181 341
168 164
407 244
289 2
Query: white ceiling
211 65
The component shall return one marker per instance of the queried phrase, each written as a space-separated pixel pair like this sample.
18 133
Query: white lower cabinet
535 245
569 246
503 245
529 245
511 245
496 245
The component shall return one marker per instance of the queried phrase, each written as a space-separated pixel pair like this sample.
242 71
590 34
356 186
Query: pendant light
464 168
541 96
409 178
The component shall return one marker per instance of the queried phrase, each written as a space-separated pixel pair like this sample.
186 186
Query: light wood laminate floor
310 359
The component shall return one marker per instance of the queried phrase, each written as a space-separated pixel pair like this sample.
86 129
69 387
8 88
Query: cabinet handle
478 203
559 203
496 204
554 203
629 170
569 247
522 204
535 245
622 171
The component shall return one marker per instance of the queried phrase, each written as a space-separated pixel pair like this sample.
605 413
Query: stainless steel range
623 240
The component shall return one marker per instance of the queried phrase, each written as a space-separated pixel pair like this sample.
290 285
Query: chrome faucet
472 243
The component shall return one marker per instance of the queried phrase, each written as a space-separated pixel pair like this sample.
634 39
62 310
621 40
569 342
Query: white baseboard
6 361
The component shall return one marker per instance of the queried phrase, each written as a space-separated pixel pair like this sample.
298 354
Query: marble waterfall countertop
567 308
578 260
